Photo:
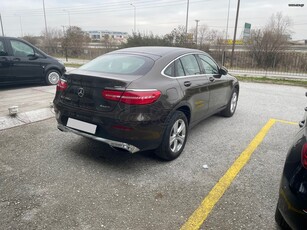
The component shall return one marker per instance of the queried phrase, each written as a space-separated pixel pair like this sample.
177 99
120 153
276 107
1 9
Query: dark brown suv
144 98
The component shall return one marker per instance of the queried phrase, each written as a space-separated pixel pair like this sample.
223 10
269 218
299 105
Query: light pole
227 21
134 30
187 18
196 31
235 34
226 37
65 43
20 24
68 16
1 25
45 18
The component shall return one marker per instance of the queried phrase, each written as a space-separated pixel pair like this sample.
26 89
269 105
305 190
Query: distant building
99 35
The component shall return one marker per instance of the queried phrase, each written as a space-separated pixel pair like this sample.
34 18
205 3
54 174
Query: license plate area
81 125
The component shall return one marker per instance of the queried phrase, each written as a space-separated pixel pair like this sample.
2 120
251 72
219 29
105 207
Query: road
55 180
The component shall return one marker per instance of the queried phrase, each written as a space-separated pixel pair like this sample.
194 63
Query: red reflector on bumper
121 127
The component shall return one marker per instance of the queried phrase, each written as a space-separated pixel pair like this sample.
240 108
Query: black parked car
291 211
21 62
144 98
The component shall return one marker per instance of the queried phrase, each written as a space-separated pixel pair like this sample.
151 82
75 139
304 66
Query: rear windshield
124 64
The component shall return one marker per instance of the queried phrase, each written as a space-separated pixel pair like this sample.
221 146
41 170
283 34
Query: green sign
247 26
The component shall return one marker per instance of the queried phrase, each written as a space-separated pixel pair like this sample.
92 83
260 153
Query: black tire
170 150
280 220
52 77
232 104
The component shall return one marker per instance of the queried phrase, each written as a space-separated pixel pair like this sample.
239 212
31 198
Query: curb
7 122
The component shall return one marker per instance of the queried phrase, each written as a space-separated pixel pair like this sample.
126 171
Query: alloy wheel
233 103
177 136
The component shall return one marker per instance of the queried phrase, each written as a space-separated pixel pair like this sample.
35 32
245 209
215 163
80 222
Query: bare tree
108 42
202 34
177 36
34 40
51 41
74 40
193 31
266 43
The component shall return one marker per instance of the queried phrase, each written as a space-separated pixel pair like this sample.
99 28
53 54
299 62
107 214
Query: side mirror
33 56
223 71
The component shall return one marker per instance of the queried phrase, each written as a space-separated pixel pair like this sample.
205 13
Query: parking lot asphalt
55 180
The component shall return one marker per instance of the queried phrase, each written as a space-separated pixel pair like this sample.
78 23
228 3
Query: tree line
265 44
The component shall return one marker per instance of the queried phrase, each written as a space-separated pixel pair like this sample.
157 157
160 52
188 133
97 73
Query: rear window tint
124 64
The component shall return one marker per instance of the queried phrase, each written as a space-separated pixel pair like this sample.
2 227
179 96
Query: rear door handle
187 83
16 59
212 79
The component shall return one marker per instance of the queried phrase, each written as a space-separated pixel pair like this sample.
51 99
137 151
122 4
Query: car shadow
102 153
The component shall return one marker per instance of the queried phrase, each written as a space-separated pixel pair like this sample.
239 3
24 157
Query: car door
219 87
26 65
194 85
5 69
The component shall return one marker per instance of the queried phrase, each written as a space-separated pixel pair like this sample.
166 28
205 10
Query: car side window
169 71
179 71
190 65
2 50
21 49
208 64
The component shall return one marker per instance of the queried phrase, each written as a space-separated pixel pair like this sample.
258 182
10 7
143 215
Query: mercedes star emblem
80 92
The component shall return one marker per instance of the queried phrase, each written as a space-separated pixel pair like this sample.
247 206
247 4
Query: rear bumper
115 144
128 133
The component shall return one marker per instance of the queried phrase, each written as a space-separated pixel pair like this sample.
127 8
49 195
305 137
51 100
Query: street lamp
45 18
196 31
187 18
134 30
226 37
235 34
20 24
68 16
227 21
1 25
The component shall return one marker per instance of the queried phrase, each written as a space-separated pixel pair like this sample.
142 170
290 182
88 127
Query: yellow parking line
201 213
287 122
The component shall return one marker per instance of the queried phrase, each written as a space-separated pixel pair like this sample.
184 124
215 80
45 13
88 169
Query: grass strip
273 80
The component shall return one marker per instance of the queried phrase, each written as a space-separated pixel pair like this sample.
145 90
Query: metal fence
88 53
264 64
244 62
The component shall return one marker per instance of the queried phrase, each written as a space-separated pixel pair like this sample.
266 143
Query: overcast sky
157 16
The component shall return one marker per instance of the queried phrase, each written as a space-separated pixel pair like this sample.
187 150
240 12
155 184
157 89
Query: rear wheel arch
187 112
174 137
237 87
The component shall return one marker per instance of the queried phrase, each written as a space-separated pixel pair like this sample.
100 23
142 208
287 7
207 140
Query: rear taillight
112 95
62 85
132 97
304 156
